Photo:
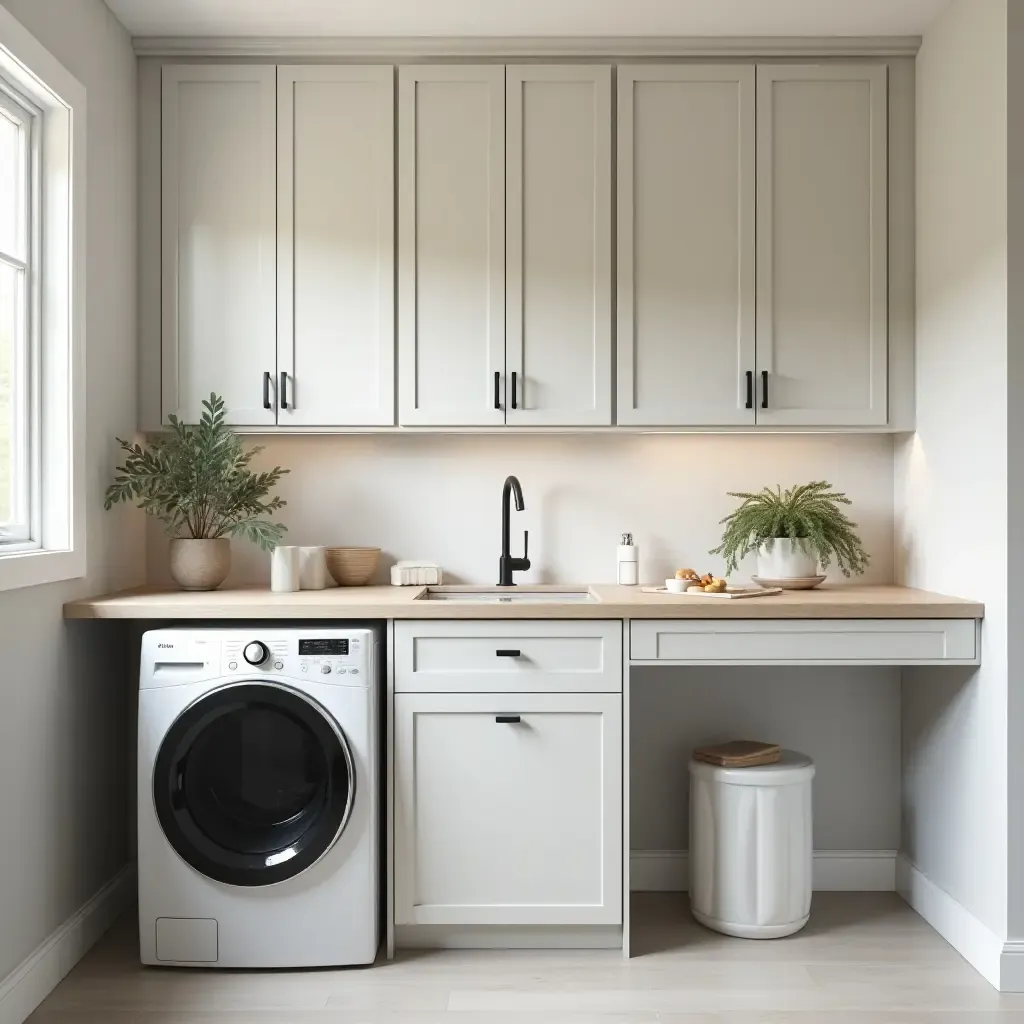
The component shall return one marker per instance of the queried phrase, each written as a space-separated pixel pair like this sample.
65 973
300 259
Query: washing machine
258 797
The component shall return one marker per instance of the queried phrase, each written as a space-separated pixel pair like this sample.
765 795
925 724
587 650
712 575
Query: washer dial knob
256 653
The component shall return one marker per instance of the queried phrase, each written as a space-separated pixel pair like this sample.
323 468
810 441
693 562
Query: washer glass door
253 783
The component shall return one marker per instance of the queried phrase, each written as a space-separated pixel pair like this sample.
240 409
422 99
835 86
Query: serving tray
730 593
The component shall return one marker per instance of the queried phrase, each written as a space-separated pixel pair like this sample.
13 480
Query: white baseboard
1000 963
834 870
42 970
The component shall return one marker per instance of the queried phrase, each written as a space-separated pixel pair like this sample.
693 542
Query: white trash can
751 845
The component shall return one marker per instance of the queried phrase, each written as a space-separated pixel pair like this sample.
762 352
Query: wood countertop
837 601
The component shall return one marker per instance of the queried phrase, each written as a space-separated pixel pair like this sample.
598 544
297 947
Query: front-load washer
258 805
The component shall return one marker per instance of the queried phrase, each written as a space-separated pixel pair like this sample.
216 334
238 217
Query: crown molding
435 47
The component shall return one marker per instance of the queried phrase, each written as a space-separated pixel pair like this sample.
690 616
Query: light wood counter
854 601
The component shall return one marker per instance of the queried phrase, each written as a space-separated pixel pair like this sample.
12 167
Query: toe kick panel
805 641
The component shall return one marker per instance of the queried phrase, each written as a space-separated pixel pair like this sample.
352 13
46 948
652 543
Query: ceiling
526 17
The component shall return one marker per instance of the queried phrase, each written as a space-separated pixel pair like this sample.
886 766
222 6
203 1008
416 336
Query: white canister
284 569
628 562
312 568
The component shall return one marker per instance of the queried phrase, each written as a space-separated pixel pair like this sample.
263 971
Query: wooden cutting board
738 754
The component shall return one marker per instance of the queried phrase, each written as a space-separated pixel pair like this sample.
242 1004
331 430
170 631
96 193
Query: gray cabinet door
822 245
218 329
685 245
451 245
558 245
335 245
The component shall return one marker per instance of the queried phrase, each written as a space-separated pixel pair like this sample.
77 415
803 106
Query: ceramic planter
200 564
785 559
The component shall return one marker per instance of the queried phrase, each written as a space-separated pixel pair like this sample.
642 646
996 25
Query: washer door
253 783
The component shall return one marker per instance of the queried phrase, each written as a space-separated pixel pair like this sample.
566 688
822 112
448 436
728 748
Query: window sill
33 568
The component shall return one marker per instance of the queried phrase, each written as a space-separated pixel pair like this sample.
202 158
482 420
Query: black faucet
507 564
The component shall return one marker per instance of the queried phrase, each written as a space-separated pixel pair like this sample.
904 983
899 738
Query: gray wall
66 694
951 495
846 719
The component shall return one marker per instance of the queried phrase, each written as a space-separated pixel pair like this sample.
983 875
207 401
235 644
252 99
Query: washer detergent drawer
501 656
186 940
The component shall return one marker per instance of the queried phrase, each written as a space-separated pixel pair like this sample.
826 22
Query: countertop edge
836 602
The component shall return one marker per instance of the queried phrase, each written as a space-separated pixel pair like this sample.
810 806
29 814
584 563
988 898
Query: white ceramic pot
785 559
200 564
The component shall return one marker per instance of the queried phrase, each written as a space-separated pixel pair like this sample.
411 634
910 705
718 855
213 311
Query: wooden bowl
352 567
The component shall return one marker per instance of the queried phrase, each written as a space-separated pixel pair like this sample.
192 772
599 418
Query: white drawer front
805 641
506 656
508 809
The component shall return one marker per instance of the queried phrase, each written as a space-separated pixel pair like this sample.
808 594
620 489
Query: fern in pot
197 481
792 532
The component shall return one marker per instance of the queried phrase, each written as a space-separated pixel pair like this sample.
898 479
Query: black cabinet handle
497 389
266 391
750 389
507 719
764 389
514 402
508 654
284 390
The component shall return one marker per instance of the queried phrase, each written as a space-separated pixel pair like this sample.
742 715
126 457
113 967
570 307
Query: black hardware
284 390
266 391
497 389
508 719
507 564
508 654
514 405
750 389
764 389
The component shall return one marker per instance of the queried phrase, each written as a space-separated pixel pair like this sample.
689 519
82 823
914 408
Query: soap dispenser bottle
628 562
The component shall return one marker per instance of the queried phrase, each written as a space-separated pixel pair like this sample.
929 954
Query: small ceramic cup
284 569
312 568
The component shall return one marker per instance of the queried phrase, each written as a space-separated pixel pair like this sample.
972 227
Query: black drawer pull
507 719
497 390
750 389
266 390
764 389
509 654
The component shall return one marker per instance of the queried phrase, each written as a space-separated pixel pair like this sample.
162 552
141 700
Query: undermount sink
496 595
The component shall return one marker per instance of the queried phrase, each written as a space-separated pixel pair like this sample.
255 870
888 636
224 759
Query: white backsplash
438 497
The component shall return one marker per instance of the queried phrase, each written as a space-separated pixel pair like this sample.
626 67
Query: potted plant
792 532
197 481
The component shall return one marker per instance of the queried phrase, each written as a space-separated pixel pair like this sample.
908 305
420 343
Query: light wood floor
865 958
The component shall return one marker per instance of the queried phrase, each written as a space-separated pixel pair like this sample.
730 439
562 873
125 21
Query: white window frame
22 531
38 83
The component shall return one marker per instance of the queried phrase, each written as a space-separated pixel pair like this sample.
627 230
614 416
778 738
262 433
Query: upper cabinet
451 245
278 243
335 246
337 254
822 242
504 246
686 245
218 240
558 161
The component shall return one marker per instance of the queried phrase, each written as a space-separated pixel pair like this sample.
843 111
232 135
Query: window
19 273
42 232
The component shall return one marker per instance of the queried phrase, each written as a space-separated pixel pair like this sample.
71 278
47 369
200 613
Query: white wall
951 492
1015 463
66 698
439 497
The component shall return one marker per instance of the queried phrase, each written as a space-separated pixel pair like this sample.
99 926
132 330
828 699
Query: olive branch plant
808 514
196 479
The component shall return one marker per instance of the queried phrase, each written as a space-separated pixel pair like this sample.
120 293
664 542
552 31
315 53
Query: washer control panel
329 656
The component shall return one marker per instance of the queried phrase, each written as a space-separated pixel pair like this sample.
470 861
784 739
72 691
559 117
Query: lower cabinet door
508 808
